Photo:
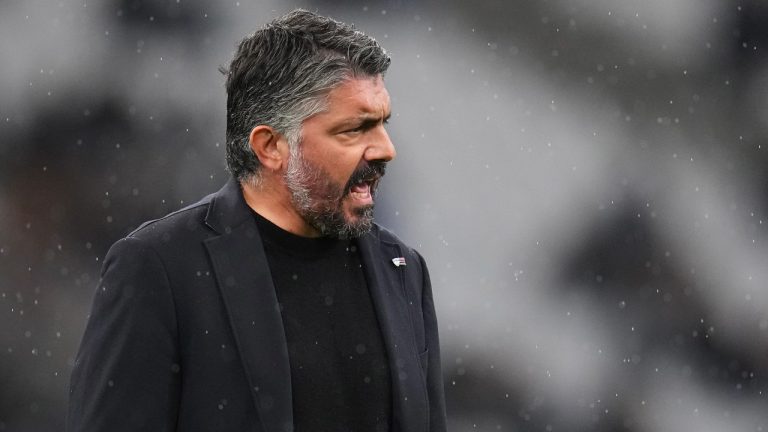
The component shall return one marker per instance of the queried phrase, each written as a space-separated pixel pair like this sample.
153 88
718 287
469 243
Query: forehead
359 97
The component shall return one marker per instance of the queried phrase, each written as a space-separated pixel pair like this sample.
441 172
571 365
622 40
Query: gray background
587 179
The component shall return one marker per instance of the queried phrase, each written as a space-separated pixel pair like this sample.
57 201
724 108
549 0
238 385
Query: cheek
342 169
339 163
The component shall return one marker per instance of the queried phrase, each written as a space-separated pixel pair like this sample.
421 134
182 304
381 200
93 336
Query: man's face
333 174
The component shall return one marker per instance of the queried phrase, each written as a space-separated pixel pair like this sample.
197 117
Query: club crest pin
399 261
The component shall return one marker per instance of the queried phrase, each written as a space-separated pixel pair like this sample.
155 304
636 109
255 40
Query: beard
320 201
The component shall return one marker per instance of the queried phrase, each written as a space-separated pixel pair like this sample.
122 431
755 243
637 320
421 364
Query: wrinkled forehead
360 96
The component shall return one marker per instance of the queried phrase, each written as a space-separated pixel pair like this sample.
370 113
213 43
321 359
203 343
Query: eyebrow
363 121
367 122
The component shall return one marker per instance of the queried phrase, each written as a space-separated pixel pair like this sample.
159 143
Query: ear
269 146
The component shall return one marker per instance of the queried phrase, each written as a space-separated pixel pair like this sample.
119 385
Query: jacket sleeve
437 414
126 374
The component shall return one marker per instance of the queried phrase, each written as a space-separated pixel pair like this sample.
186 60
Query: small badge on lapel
399 261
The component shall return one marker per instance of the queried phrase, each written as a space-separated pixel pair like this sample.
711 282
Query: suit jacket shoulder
183 221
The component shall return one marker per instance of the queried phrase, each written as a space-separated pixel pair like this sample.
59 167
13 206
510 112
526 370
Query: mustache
369 172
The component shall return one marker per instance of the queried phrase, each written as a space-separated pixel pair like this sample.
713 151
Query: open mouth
362 185
364 189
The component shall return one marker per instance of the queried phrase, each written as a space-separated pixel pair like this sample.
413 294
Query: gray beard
319 201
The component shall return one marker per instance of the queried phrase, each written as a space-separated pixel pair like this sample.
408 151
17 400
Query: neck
271 199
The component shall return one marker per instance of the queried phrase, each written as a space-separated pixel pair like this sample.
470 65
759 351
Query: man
275 304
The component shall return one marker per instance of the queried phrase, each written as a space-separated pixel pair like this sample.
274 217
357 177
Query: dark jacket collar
227 209
242 274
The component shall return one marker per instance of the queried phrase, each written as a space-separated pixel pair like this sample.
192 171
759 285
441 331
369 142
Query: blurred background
586 178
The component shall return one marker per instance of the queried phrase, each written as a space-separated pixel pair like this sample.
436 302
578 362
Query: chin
357 221
358 214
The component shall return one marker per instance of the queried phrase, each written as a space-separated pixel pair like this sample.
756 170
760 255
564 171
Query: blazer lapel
386 284
243 276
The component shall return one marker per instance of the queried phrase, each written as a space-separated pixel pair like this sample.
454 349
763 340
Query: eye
357 129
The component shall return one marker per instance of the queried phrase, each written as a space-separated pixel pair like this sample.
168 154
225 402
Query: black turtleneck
339 373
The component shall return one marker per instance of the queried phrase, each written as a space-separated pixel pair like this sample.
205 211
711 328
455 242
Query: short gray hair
282 74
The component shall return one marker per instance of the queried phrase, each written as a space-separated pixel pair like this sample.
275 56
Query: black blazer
185 333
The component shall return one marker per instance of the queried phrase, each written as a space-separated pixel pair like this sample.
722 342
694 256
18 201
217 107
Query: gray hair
281 75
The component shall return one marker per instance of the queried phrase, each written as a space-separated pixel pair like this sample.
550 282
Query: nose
380 147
